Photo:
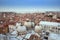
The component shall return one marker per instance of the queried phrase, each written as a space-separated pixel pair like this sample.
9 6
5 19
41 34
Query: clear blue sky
26 4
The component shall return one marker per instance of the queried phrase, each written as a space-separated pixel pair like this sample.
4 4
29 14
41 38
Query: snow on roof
54 36
27 36
49 23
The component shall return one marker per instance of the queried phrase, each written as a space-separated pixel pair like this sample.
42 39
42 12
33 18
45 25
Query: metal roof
49 23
